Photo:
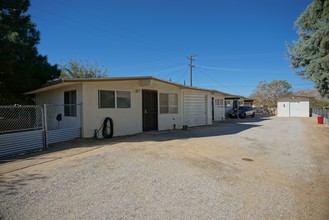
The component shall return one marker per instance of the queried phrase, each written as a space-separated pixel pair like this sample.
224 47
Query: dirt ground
262 168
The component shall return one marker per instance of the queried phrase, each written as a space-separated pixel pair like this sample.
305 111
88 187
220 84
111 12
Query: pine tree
310 54
22 68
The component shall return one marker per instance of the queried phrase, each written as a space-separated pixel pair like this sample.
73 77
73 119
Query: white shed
293 107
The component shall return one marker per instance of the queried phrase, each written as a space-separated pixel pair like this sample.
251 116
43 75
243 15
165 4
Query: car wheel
244 115
253 115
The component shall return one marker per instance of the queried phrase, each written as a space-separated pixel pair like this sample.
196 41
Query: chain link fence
21 129
20 118
63 116
29 128
63 122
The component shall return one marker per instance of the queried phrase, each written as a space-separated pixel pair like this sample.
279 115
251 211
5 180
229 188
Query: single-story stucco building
293 107
135 104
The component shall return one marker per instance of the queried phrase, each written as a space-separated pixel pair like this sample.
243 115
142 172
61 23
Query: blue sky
236 43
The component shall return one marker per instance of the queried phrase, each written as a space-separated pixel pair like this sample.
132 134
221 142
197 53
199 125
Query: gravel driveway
271 168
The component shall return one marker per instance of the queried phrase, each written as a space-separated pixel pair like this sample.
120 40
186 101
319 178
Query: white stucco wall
126 120
55 105
166 121
283 109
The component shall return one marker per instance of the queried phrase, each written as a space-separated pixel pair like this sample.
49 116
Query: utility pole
191 66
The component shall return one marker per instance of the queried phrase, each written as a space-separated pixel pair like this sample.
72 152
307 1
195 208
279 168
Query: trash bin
320 119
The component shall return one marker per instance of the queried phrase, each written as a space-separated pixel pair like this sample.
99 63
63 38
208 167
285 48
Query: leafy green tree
310 54
82 69
316 103
22 69
267 94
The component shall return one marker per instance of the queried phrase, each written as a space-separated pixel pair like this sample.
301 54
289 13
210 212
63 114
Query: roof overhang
51 87
294 99
59 83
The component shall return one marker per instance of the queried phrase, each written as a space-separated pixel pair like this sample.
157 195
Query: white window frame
116 98
219 103
115 95
171 108
70 107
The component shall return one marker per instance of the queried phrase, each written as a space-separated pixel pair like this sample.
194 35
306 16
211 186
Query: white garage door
294 109
195 109
299 109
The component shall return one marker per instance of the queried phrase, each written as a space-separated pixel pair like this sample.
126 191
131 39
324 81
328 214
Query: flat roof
61 82
293 99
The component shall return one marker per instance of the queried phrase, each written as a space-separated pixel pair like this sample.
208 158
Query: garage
195 109
293 107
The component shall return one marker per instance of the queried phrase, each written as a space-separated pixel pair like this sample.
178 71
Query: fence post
81 120
46 125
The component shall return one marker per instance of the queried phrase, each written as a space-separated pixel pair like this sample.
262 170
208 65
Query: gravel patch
195 174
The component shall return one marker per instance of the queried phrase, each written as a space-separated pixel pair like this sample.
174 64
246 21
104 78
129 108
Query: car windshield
241 108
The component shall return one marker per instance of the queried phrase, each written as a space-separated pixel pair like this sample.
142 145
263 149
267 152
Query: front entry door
150 110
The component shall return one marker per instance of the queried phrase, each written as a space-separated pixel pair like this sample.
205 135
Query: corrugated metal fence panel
64 134
321 112
21 142
195 109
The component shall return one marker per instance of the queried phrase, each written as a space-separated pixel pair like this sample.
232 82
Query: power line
213 79
242 70
103 34
174 72
142 38
156 63
183 76
157 72
242 56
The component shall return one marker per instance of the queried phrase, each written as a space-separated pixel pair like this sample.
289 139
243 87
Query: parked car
261 111
242 112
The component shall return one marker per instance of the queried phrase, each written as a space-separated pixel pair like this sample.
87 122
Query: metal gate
29 128
63 122
21 129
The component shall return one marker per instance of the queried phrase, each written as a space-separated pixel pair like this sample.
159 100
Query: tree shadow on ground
11 185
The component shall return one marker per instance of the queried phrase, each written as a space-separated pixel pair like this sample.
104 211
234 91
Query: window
106 99
123 99
219 102
168 103
228 104
70 101
112 99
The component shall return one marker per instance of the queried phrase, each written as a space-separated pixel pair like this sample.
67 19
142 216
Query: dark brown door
150 110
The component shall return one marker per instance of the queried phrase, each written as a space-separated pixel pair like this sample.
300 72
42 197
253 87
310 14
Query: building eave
58 83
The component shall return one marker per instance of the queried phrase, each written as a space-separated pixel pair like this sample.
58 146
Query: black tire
107 131
253 115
